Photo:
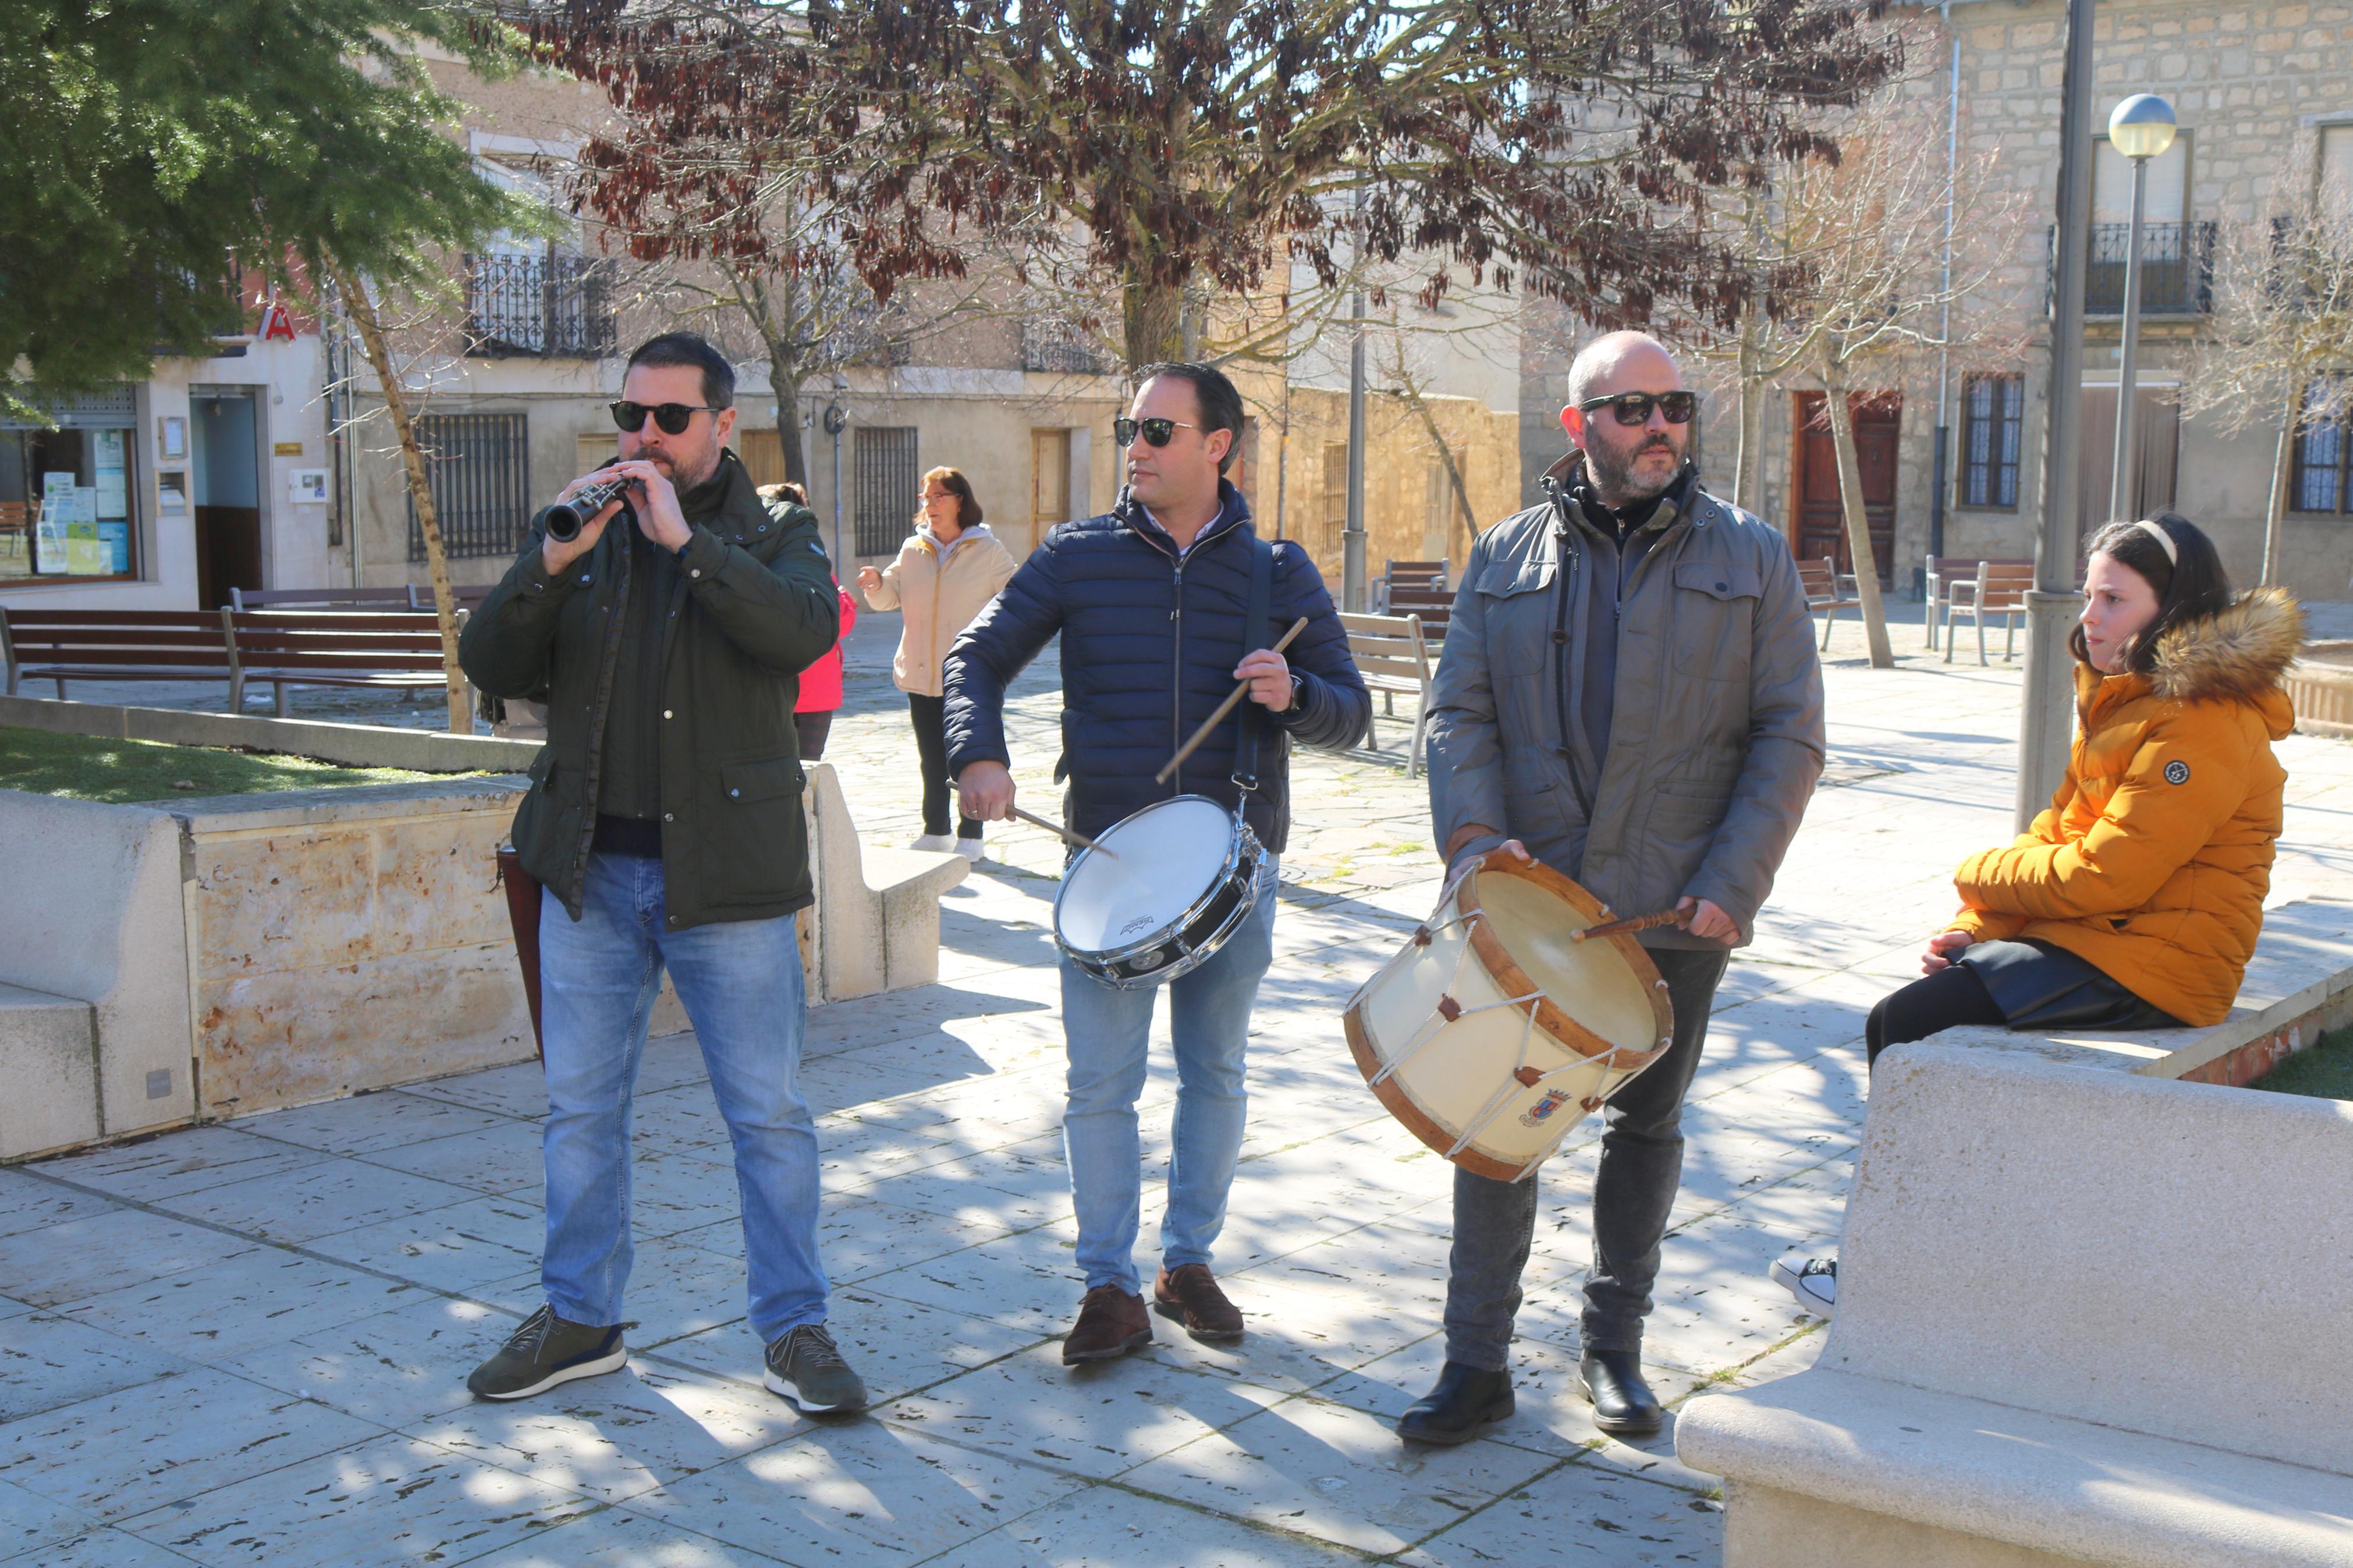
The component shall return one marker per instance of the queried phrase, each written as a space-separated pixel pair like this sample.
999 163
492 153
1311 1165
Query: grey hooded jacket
1716 738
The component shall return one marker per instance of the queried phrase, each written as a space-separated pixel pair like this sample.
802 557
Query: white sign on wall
308 487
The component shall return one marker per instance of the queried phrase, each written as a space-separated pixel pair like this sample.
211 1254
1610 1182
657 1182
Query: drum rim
1110 956
1516 982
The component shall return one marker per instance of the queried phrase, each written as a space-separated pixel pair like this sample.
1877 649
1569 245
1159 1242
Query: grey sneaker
547 1349
805 1367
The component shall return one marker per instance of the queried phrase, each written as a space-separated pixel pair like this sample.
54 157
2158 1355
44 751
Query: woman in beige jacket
946 574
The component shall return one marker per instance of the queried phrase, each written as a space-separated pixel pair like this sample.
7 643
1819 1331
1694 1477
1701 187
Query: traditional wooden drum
1493 1032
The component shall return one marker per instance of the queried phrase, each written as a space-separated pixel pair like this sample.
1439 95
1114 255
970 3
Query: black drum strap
1255 630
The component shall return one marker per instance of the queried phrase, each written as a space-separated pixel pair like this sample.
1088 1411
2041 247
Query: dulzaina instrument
1494 1030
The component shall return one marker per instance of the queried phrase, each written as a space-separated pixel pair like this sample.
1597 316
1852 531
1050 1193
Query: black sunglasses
1157 432
673 418
1634 407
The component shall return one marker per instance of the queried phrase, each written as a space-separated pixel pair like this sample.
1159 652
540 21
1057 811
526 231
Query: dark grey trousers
1634 1189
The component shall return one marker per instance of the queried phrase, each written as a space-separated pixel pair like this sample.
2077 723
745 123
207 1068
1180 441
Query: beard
1613 472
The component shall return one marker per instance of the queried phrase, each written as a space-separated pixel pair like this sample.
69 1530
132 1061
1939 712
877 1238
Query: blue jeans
740 982
1108 1032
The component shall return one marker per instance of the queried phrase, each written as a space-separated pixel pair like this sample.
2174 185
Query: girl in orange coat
2134 901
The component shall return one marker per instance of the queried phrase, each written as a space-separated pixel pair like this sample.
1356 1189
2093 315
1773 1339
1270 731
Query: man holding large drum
1163 605
1629 694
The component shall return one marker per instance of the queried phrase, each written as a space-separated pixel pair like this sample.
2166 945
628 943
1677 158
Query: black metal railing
2177 269
479 466
551 307
1055 346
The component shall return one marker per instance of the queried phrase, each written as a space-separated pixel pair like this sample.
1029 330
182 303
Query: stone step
48 1060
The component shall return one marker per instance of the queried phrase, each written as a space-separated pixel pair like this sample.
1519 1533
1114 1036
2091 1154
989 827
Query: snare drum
1493 1034
1185 877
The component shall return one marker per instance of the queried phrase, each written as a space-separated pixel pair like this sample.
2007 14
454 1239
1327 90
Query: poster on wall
116 537
49 549
111 474
86 553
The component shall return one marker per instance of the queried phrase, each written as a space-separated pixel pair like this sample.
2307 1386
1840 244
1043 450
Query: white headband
2173 554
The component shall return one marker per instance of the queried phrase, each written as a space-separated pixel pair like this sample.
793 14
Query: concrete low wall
93 914
353 745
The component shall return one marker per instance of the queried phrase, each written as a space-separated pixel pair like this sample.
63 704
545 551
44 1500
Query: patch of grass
2323 1070
122 773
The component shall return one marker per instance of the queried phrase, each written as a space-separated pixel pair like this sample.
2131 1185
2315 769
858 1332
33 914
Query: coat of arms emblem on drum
1535 1115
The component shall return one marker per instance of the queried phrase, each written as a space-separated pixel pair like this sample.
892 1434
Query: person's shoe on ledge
1112 1323
1622 1402
807 1367
1466 1402
1189 1294
545 1351
1812 1280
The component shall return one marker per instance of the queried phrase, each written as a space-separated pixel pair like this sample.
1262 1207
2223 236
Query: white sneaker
969 848
1812 1280
935 841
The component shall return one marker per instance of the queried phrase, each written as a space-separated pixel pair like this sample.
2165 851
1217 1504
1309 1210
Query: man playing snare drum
1152 601
1629 694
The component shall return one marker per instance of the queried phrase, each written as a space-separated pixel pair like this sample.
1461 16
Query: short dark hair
693 350
2188 589
1221 406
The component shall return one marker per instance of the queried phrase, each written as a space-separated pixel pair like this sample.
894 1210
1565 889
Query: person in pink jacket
820 695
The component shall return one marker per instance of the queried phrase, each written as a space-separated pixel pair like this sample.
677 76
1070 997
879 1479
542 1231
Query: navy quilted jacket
1149 646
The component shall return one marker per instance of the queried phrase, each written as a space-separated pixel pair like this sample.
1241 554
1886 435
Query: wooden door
1049 482
2156 457
1819 528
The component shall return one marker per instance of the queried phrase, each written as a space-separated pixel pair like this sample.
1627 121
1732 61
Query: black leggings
929 717
1945 1000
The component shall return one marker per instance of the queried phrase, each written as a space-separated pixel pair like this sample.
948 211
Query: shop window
479 466
1992 420
65 491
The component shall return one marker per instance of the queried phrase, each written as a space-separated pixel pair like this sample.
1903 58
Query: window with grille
1336 493
884 485
479 466
2322 477
1992 417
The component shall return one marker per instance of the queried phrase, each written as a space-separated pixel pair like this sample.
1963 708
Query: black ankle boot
1622 1402
1465 1402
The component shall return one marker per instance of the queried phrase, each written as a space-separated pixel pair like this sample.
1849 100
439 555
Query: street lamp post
837 418
2141 128
2046 701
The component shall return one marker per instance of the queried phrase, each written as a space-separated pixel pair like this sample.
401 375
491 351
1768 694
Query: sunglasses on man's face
1156 432
1633 409
673 418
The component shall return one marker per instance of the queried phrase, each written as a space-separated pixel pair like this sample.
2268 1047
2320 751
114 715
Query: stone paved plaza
247 1343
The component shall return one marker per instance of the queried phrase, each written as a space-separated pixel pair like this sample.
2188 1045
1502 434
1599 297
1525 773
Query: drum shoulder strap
1254 637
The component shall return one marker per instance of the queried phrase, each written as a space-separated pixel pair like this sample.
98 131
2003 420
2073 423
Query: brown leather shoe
1191 1296
1110 1323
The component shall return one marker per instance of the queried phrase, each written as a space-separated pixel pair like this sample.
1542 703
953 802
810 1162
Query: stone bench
2085 1316
878 910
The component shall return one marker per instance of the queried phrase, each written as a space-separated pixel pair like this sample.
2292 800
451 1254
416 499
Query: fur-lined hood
2238 654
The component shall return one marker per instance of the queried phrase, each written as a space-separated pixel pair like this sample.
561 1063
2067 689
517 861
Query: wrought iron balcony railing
2177 269
558 306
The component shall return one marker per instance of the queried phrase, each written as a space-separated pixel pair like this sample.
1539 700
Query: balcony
1053 345
2177 269
544 307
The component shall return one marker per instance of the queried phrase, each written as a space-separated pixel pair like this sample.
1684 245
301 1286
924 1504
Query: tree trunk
420 489
2283 461
784 379
1858 526
1152 320
1749 466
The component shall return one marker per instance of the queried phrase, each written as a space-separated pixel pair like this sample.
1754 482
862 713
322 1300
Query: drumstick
1214 719
1638 922
1068 834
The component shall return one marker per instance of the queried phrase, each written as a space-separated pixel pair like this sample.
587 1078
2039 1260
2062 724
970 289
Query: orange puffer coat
2152 862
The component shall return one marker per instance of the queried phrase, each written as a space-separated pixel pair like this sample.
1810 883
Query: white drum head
1588 980
1170 854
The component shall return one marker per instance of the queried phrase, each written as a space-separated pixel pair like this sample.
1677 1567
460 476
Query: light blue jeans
1108 1032
740 982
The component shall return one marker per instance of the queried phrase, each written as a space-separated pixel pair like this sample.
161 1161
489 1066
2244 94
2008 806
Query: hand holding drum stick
1214 719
